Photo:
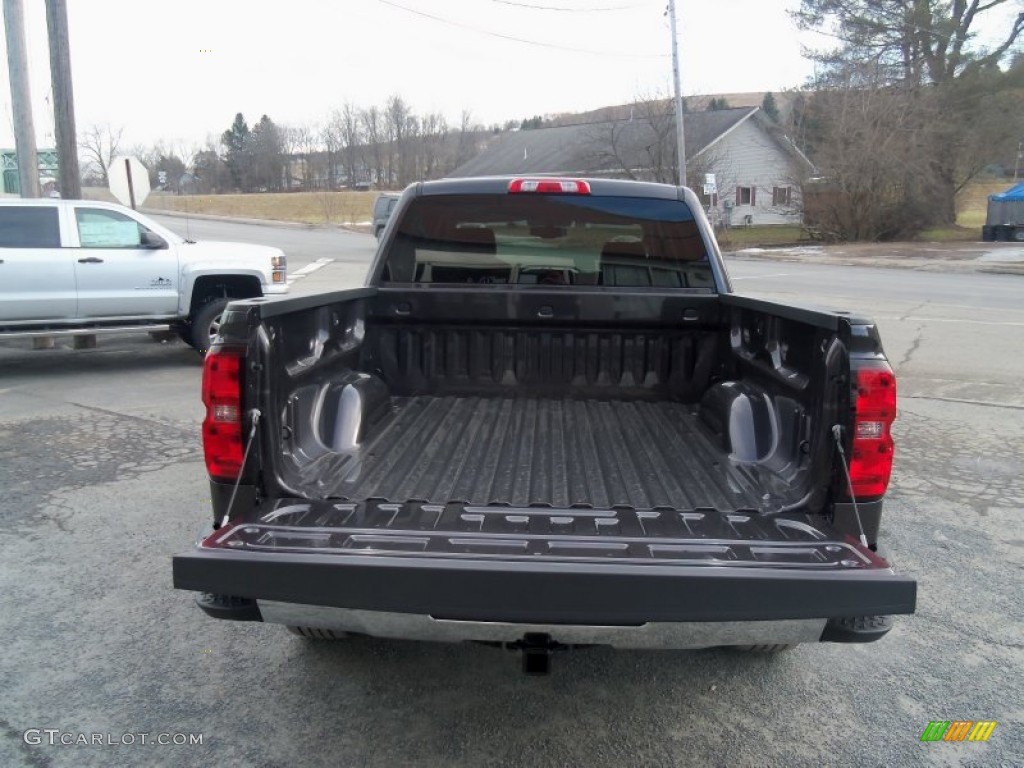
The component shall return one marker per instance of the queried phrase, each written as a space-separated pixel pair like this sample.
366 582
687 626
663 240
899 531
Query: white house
757 169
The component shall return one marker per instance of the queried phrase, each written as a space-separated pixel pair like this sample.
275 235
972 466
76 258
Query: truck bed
541 452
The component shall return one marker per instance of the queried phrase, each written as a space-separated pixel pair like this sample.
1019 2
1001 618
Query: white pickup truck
81 267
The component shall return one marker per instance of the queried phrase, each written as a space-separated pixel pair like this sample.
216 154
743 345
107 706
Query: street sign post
128 180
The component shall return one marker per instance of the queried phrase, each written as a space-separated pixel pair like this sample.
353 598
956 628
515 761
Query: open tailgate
542 565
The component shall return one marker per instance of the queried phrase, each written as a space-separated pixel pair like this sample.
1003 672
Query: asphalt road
103 481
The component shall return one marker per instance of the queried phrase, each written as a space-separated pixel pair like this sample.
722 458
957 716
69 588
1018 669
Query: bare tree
640 146
396 115
351 141
875 151
304 143
287 135
433 137
465 148
211 172
99 145
373 130
332 140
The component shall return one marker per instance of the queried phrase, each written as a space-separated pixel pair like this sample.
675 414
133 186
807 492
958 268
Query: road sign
709 178
128 180
161 177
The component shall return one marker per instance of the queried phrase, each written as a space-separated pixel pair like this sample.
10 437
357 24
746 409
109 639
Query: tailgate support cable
254 414
837 433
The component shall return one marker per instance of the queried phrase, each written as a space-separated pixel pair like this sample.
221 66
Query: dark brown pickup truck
547 421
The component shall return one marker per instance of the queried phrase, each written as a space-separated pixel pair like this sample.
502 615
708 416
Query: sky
179 70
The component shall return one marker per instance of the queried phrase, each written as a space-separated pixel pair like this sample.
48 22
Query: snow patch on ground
1014 255
807 250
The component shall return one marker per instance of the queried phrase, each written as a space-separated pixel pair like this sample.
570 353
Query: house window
746 196
782 196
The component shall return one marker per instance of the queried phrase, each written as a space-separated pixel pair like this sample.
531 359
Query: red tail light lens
550 186
871 462
222 427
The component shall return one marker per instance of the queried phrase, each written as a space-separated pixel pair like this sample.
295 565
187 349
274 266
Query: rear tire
1018 235
205 324
767 647
314 633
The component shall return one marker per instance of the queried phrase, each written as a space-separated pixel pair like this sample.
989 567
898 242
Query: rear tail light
871 461
550 186
222 427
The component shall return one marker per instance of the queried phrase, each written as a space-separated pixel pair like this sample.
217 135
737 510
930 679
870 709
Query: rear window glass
29 227
549 240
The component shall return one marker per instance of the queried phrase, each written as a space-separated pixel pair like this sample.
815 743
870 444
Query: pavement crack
912 310
964 401
118 415
140 419
915 344
943 622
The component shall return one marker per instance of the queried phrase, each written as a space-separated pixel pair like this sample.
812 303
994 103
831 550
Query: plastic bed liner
541 452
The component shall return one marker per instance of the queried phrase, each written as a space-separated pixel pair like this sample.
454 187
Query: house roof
582 148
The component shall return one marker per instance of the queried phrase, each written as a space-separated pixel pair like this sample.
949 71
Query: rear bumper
650 635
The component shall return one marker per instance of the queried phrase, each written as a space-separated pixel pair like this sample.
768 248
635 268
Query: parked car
85 267
382 208
548 421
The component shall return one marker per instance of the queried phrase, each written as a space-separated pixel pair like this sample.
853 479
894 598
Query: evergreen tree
236 146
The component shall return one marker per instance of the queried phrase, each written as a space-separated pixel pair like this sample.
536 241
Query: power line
514 39
568 10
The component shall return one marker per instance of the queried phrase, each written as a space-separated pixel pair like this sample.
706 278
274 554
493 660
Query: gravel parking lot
103 480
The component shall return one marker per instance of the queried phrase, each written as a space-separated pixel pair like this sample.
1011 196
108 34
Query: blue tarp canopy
1015 192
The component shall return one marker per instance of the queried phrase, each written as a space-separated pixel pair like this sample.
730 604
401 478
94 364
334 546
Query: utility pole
63 99
21 99
680 133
